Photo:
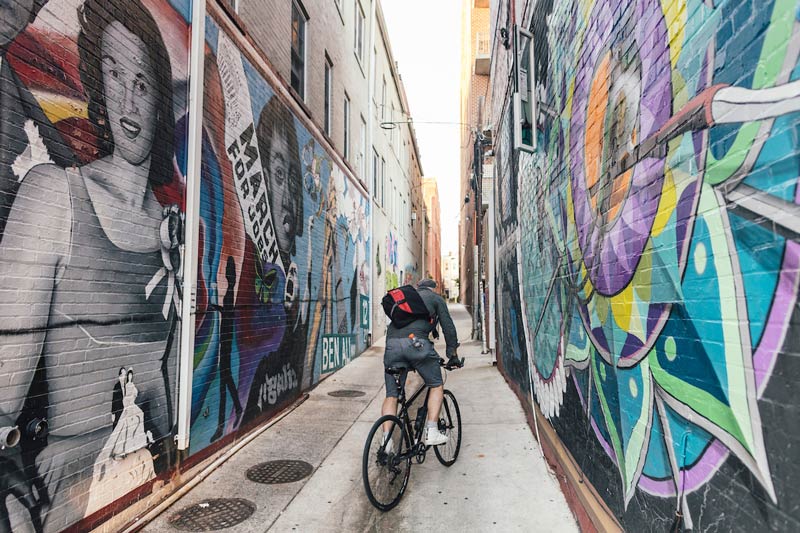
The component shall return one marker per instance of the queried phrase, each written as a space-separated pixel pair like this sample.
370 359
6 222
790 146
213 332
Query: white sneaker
434 437
388 446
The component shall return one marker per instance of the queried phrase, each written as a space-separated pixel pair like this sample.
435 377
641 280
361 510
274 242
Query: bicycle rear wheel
384 470
450 425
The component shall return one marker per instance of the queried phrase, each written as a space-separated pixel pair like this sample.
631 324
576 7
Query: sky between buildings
425 37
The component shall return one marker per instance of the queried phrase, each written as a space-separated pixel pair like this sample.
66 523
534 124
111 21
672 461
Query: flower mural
658 230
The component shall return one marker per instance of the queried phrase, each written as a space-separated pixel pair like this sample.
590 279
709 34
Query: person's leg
222 400
390 402
430 371
393 356
389 408
435 398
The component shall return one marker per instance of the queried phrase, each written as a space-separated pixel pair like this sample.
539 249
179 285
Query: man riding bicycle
409 346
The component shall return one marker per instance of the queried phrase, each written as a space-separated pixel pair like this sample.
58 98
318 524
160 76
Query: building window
298 49
362 150
391 131
383 181
328 92
376 167
233 5
359 35
383 100
406 218
346 126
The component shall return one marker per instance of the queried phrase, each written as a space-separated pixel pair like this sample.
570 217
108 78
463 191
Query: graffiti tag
277 385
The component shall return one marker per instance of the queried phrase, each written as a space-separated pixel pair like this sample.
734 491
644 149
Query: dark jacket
437 307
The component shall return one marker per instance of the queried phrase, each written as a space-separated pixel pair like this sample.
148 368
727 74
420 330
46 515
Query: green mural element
657 227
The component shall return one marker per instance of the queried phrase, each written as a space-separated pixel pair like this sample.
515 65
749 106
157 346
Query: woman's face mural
282 200
131 93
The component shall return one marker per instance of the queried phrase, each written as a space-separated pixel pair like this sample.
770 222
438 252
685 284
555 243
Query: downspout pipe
370 150
192 225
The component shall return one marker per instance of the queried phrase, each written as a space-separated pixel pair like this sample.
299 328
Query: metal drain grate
346 393
213 514
282 471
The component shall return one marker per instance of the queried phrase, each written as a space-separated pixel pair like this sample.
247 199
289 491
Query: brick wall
329 30
93 164
93 159
652 260
473 86
284 259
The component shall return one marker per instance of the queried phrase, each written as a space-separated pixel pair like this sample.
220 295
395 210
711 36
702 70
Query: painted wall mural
284 255
659 237
93 103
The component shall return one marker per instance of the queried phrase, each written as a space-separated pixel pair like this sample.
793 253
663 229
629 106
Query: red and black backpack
404 305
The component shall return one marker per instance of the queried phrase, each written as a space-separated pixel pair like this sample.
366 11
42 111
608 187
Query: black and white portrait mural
92 164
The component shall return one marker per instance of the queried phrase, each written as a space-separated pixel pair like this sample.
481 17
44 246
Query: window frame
302 54
346 126
340 8
524 104
383 181
383 100
362 148
360 21
376 168
328 96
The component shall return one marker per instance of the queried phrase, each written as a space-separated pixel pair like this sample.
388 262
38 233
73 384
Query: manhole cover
214 514
282 471
346 393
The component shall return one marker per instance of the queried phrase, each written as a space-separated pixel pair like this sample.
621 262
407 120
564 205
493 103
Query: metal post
373 22
477 171
492 285
475 294
424 232
189 303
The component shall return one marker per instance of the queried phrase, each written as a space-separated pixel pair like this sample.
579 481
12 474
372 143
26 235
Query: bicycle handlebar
453 363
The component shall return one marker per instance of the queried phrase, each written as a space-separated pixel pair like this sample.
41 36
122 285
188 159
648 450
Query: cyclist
410 347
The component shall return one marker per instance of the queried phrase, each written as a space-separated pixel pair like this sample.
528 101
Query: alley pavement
499 482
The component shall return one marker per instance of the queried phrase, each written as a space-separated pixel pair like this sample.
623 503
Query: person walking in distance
410 346
225 346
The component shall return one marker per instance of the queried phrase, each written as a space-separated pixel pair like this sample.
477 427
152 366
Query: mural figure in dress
92 258
129 434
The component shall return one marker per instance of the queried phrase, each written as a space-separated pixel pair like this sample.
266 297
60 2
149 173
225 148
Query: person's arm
448 328
35 239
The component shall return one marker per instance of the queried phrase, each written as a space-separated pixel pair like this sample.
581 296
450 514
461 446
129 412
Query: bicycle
387 467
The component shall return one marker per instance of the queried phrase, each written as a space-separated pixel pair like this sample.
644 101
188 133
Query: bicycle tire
385 483
449 422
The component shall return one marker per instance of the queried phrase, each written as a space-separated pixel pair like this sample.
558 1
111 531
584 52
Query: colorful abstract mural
659 237
92 99
284 255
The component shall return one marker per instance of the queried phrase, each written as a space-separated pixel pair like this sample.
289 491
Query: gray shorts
403 354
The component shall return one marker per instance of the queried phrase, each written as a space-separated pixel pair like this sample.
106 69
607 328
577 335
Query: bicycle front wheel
450 425
386 465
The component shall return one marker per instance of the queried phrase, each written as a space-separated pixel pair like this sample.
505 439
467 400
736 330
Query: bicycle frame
415 430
